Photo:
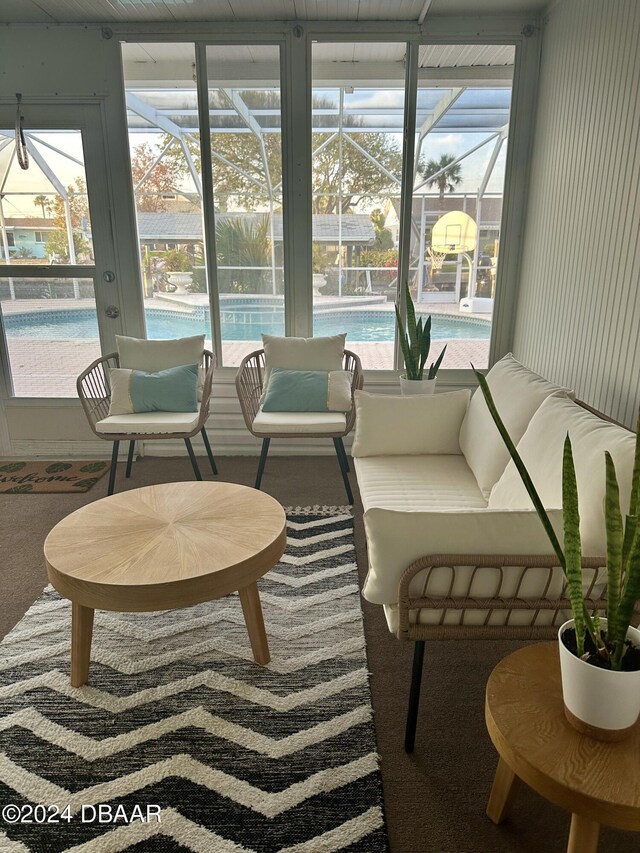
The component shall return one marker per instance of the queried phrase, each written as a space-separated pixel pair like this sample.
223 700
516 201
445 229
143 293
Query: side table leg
583 835
505 786
252 610
81 634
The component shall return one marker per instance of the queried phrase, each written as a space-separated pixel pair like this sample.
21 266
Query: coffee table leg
505 786
81 634
583 835
252 610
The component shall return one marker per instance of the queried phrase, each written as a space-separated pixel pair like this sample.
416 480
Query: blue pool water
240 322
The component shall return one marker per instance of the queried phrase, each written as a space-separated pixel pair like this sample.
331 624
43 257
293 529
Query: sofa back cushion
517 393
541 449
388 425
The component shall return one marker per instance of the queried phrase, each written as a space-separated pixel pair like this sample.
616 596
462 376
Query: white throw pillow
303 353
517 393
541 448
388 425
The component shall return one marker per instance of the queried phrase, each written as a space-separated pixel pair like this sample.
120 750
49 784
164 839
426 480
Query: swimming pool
240 322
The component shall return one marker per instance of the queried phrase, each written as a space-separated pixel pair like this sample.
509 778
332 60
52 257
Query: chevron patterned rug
178 719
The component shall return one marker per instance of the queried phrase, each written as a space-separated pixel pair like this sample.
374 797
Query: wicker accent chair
94 391
249 385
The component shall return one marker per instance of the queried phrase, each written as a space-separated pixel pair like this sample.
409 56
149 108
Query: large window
462 117
162 117
246 160
164 132
357 169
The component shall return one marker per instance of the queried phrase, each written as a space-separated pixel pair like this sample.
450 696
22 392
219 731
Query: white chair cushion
541 448
388 425
411 484
271 423
152 356
149 423
517 393
323 353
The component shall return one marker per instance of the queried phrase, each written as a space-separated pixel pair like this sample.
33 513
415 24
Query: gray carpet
435 799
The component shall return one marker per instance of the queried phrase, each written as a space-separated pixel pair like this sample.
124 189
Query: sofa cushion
517 393
149 423
388 425
273 423
541 448
417 483
395 539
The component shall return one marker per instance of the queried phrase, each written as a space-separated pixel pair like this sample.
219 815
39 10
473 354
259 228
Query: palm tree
448 180
44 202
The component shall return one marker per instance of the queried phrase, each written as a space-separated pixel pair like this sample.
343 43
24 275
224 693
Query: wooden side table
164 547
599 783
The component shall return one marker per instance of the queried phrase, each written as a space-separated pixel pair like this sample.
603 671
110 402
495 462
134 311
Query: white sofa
455 548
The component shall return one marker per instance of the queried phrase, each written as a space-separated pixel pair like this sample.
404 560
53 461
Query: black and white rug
178 719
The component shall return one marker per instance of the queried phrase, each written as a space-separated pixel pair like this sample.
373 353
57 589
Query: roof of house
37 223
177 225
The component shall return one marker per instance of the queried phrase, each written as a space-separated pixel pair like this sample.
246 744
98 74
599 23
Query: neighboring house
168 228
26 237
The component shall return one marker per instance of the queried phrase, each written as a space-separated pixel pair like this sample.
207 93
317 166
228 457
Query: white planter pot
417 386
599 702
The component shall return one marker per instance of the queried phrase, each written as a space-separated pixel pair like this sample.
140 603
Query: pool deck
46 368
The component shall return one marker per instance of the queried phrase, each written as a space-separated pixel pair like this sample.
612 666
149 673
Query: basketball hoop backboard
453 233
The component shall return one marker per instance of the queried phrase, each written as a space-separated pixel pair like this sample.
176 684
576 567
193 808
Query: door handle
112 311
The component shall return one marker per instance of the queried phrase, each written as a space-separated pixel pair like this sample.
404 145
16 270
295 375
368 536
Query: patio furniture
597 782
455 548
164 547
267 425
94 391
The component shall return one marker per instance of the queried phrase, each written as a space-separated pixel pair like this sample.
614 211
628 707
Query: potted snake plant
415 342
599 658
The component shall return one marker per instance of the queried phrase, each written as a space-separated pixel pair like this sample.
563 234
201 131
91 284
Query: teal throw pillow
308 391
171 390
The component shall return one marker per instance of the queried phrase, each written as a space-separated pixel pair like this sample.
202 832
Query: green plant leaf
613 522
409 363
19 490
629 597
435 366
92 467
572 548
12 466
529 486
411 319
634 503
57 467
425 345
520 466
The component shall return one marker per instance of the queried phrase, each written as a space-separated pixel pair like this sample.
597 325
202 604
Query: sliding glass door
59 304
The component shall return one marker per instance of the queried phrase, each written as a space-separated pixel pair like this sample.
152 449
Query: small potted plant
415 342
179 265
599 658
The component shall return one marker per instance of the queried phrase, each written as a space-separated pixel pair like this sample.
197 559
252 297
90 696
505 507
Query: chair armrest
94 389
396 539
353 364
209 364
249 384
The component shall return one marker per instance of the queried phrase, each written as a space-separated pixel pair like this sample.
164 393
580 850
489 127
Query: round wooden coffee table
164 547
599 783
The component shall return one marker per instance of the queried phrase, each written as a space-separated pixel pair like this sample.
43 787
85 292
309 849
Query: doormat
38 476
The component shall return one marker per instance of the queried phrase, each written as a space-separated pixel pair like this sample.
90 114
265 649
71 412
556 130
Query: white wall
578 314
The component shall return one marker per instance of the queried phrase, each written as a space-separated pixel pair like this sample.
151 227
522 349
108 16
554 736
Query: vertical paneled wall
578 316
